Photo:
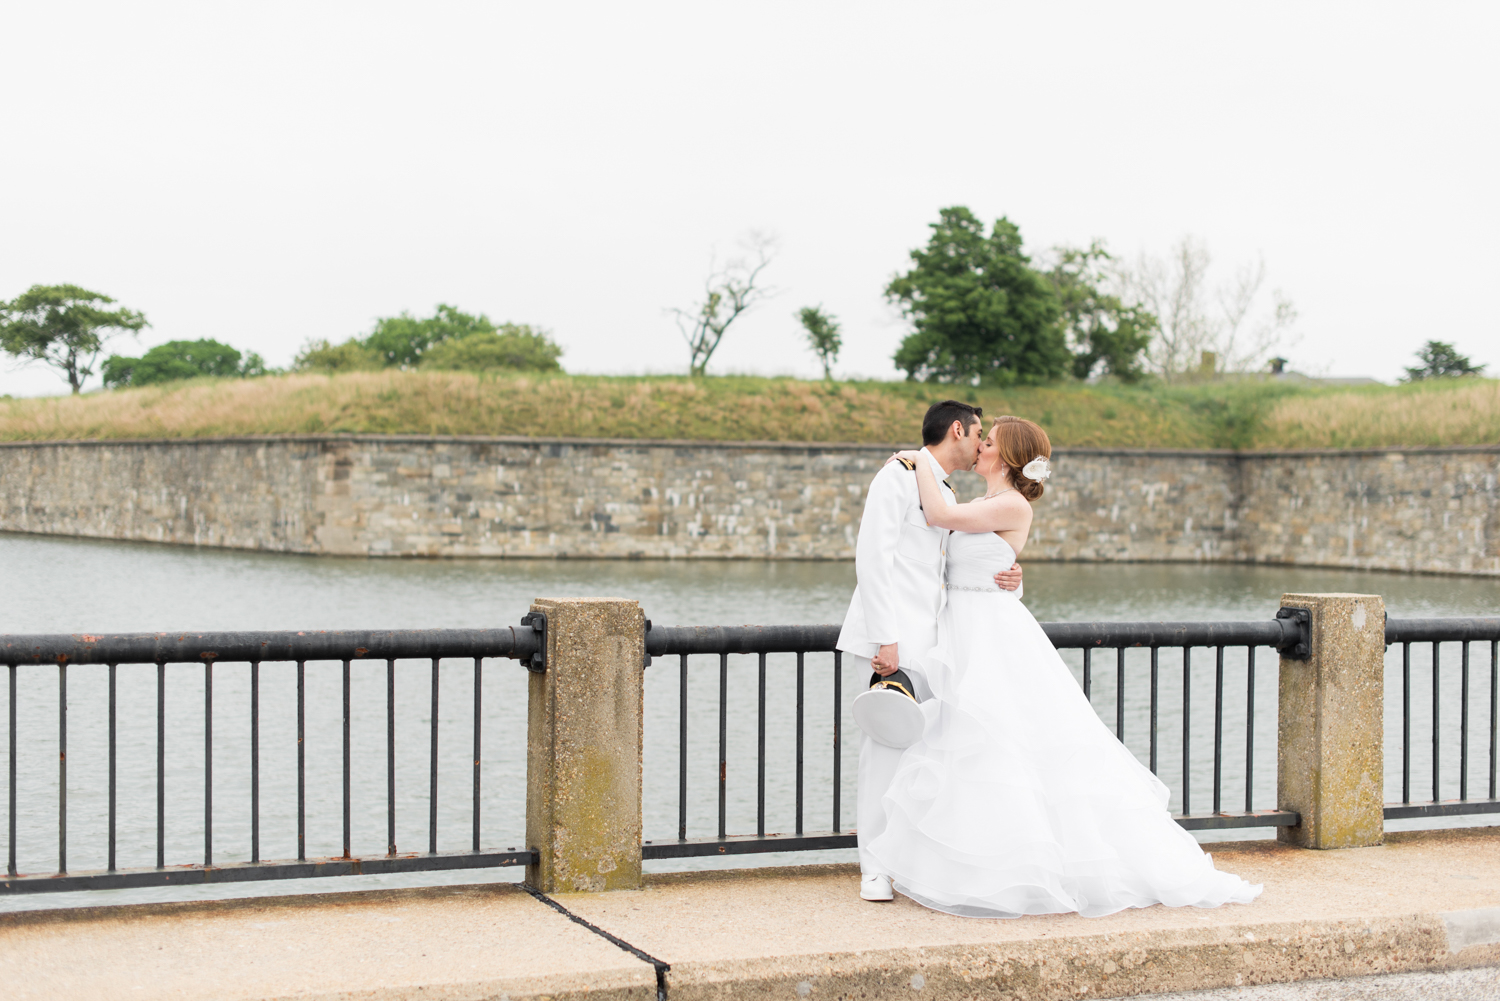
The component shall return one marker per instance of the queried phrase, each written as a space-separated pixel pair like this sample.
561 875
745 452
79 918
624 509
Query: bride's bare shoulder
1014 508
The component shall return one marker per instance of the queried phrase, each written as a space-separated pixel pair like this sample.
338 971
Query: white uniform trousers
877 766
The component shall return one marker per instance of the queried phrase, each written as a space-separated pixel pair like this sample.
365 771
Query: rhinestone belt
956 587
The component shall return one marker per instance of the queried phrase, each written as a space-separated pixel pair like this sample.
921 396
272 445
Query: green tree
513 346
181 360
823 336
978 308
1441 361
1099 327
401 340
63 326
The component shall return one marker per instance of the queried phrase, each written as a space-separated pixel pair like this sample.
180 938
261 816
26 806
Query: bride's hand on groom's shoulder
909 454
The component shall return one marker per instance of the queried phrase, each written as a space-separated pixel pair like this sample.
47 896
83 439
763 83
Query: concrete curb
1107 965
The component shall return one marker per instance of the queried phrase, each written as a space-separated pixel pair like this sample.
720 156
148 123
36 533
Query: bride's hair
1018 442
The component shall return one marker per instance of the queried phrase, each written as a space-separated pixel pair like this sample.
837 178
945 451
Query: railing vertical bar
1120 694
1187 690
1463 727
301 761
478 689
347 763
1436 692
10 819
161 765
1154 651
1088 685
1218 726
62 768
1494 732
432 760
760 753
390 757
1406 722
208 762
113 786
799 741
255 761
682 748
838 717
723 737
1249 729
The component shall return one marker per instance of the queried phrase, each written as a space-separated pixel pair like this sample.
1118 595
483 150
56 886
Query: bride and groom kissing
988 787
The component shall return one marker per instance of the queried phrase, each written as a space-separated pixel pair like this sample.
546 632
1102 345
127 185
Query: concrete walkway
1422 901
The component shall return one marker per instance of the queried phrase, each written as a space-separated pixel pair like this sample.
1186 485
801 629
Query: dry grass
1465 412
755 409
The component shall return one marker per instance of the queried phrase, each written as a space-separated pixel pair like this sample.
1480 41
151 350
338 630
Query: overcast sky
263 174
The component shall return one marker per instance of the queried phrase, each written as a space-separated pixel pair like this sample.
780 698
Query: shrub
514 346
350 356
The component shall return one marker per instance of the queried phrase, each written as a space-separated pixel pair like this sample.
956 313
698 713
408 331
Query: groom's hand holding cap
886 662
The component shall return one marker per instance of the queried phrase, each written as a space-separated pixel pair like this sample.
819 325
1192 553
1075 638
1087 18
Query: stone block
1330 725
583 747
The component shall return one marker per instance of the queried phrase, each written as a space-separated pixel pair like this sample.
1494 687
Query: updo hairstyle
1019 441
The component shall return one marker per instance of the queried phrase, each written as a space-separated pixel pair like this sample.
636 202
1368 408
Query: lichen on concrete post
583 747
1330 727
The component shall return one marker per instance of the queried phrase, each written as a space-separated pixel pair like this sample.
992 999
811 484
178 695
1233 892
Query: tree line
979 310
66 327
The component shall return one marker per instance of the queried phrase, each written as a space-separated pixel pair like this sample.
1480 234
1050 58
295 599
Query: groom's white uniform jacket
898 565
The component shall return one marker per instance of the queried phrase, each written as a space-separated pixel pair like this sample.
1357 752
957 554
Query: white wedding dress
1017 799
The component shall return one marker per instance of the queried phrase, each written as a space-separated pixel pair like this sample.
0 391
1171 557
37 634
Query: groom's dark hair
940 417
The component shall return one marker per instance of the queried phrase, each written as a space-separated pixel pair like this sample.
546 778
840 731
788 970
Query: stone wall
1429 509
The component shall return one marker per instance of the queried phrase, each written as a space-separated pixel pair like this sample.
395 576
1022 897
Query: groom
892 618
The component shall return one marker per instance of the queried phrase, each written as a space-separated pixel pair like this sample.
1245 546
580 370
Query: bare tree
728 292
1234 321
1250 331
1173 289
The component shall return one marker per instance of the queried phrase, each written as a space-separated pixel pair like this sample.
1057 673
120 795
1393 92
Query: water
62 585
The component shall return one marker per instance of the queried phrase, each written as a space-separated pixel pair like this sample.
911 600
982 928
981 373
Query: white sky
267 173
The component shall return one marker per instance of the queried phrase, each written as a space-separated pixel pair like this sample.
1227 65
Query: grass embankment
1230 414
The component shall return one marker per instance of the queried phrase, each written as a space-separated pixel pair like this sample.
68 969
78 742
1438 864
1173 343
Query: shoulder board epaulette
908 465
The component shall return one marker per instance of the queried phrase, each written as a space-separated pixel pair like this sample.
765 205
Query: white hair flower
1037 469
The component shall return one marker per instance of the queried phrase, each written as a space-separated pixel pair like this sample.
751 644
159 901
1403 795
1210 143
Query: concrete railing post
583 747
1330 726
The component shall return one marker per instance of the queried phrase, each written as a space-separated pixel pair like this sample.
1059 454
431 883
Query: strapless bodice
975 558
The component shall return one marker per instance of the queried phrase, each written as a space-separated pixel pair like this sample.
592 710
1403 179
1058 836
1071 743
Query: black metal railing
1288 633
212 650
812 651
1435 633
758 641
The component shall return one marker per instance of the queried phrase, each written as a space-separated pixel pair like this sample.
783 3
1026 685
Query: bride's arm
998 514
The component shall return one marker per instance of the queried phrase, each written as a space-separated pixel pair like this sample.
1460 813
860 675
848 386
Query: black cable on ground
660 967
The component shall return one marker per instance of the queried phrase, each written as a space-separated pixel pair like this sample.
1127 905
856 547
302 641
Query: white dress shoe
875 888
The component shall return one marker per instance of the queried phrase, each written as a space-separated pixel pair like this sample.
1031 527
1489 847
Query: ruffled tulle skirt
1018 800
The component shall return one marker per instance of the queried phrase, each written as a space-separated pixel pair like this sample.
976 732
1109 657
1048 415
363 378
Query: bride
1017 799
